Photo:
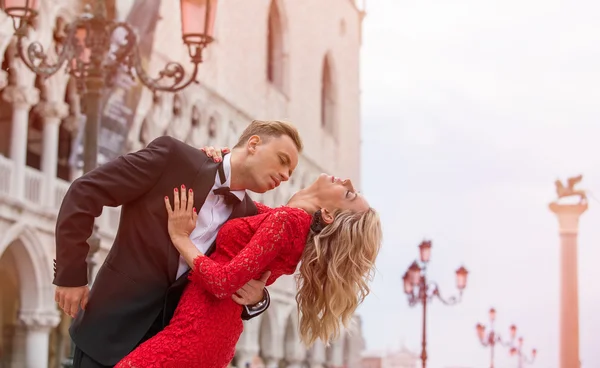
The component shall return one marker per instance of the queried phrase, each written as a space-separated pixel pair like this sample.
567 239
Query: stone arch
33 269
269 337
294 350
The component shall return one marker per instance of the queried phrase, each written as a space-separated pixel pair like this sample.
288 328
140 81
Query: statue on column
569 190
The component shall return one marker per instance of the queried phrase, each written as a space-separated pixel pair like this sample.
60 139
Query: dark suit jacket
136 287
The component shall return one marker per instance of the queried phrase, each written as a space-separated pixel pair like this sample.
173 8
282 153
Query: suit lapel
201 185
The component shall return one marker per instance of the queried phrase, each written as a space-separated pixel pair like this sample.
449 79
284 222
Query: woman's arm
222 280
261 207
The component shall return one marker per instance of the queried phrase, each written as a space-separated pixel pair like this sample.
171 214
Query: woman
327 226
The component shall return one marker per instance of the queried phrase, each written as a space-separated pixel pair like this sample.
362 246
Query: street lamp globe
425 251
198 21
492 314
408 286
19 10
480 331
414 272
513 331
534 352
461 278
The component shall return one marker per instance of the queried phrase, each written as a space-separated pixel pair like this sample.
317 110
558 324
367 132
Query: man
139 285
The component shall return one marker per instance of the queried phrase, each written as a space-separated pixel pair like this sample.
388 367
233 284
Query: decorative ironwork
95 46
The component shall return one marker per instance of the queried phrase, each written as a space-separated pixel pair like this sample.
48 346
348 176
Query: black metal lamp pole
93 59
493 338
421 291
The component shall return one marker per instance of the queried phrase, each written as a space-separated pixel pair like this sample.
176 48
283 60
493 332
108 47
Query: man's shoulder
179 149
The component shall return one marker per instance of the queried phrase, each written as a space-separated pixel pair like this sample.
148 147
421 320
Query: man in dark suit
139 285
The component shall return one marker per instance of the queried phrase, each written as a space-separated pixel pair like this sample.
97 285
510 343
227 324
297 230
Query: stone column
568 221
37 337
52 113
22 99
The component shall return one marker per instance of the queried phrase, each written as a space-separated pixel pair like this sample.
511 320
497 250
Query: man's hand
252 292
69 299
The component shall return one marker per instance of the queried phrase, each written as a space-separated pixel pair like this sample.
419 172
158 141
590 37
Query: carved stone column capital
39 320
57 110
21 96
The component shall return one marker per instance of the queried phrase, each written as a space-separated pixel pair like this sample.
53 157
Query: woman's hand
182 216
215 153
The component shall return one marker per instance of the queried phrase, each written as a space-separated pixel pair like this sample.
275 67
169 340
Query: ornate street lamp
419 291
517 350
96 47
492 338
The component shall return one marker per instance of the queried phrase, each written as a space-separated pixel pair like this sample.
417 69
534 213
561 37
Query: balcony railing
37 194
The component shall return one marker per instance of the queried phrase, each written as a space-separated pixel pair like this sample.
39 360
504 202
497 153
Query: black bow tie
230 198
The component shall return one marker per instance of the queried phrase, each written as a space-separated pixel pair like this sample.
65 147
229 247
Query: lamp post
91 56
492 338
93 59
419 290
522 357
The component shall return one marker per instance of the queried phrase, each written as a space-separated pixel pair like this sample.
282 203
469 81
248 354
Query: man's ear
253 142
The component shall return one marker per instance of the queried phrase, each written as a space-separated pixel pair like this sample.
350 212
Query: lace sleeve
273 235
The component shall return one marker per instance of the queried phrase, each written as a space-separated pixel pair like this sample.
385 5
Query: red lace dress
207 323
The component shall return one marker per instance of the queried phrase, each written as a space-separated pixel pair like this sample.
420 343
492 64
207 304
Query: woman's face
336 194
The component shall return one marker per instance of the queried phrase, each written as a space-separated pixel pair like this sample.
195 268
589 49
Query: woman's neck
305 200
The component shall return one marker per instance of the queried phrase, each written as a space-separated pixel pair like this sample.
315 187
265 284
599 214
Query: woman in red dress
328 227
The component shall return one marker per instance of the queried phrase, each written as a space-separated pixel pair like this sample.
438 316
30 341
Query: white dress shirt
212 216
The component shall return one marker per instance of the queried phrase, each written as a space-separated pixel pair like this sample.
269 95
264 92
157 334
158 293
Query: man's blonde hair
266 129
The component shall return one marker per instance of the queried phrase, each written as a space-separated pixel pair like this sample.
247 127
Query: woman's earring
317 223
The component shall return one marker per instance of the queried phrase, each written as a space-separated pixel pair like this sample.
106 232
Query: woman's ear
326 216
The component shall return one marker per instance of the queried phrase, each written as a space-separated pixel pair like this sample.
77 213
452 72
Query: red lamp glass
414 272
408 286
20 10
480 331
198 21
425 251
513 331
492 314
461 278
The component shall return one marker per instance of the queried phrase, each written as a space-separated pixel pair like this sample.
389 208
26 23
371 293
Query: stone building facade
272 59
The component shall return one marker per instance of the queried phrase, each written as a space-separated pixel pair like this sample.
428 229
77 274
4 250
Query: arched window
328 102
275 49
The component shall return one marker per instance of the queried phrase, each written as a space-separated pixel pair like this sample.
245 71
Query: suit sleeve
222 280
115 183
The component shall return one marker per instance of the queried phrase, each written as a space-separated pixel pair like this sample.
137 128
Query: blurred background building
399 358
272 59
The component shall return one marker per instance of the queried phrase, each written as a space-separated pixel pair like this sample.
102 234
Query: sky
471 110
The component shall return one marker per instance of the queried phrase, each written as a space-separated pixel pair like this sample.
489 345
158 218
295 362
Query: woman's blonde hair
335 269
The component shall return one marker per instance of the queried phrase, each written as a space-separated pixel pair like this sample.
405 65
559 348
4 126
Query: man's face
270 161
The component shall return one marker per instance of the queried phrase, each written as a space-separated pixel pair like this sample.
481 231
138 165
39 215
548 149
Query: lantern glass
425 251
492 314
198 21
480 331
408 286
513 331
414 272
461 278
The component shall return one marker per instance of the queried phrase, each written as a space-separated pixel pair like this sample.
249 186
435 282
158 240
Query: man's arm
251 311
113 184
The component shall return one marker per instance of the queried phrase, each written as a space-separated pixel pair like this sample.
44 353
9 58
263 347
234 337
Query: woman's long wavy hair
335 270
